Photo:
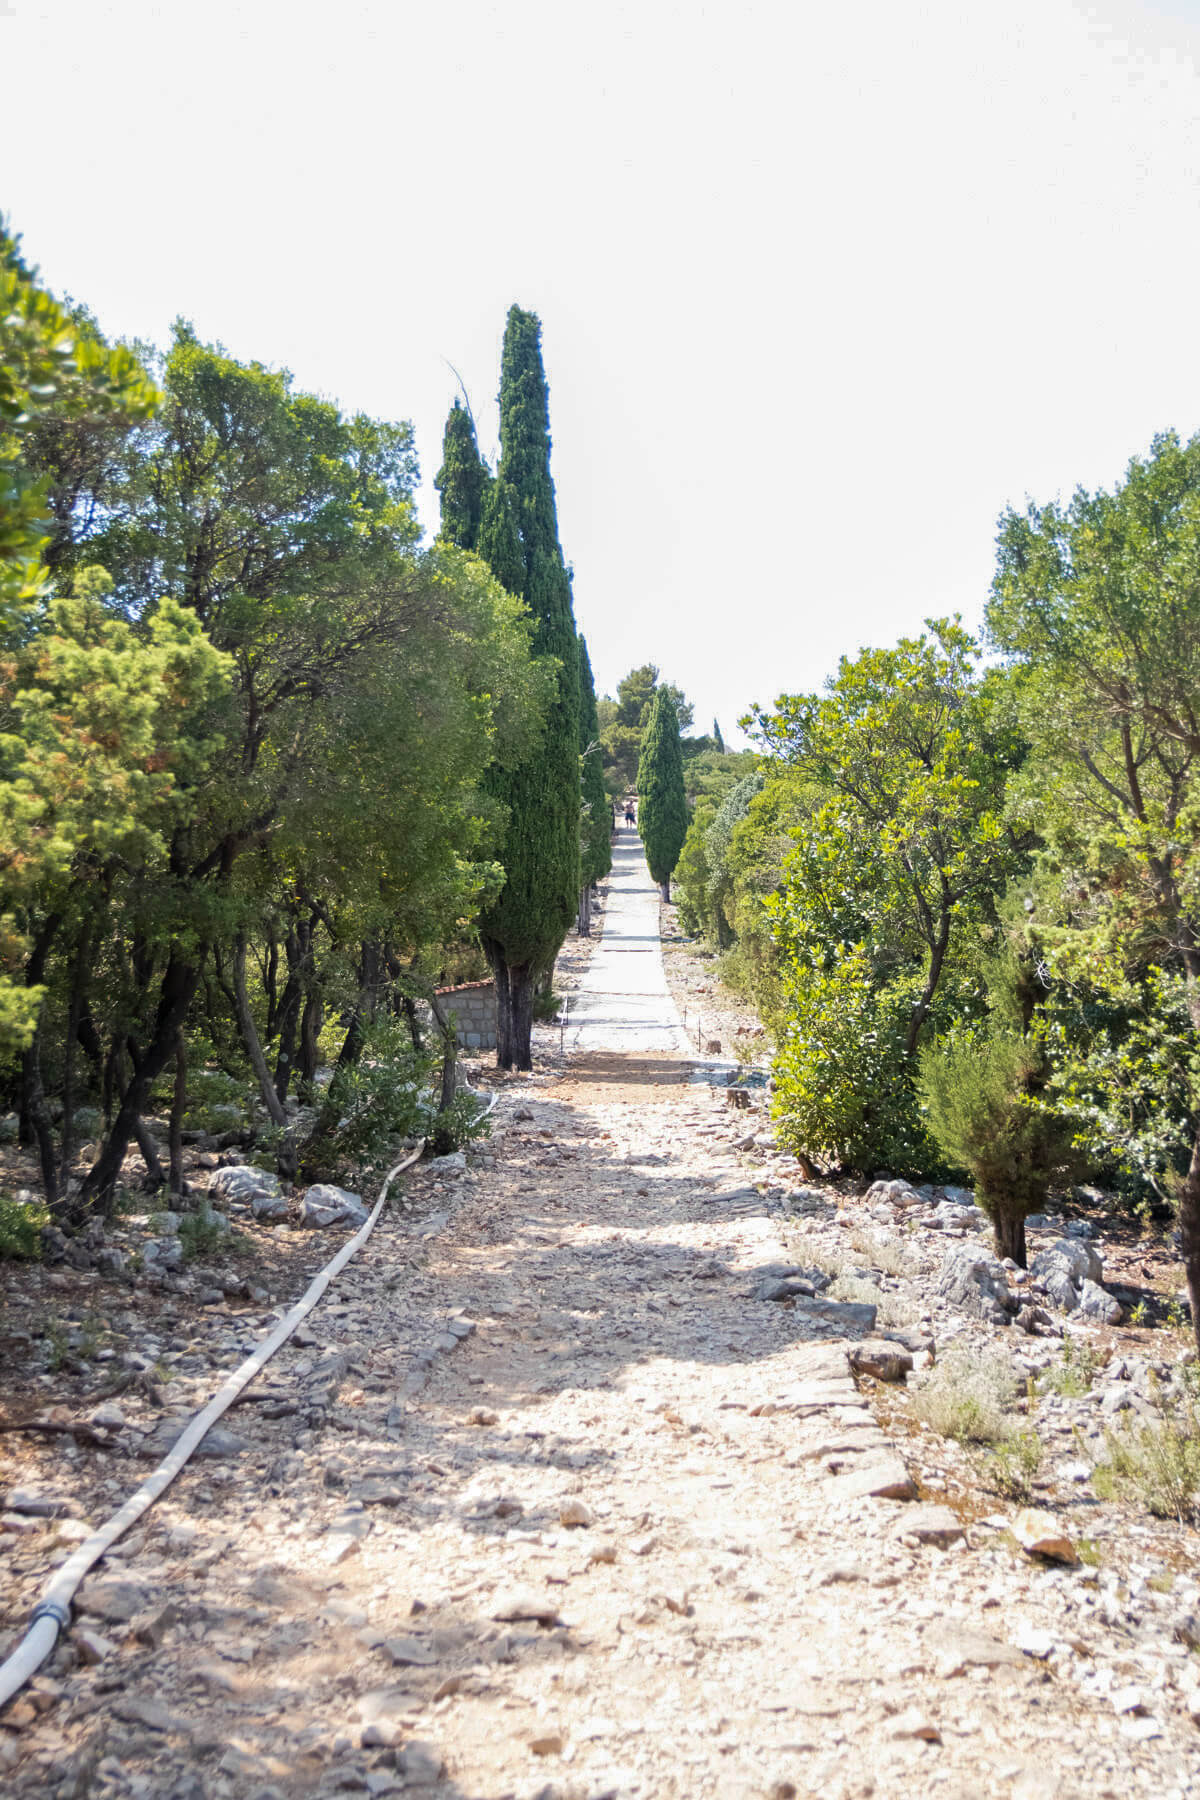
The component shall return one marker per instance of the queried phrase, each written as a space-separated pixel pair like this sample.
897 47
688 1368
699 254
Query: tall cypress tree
523 930
462 481
662 799
595 833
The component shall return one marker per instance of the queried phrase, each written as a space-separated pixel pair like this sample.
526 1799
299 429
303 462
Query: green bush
383 1097
979 1085
21 1225
461 1123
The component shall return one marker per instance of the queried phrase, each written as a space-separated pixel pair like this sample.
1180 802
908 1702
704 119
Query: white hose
53 1611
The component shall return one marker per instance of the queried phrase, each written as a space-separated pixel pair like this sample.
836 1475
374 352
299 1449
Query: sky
823 289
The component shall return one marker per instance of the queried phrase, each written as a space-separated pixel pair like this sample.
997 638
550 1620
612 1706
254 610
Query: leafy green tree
523 929
662 802
595 823
624 724
890 876
1095 605
461 481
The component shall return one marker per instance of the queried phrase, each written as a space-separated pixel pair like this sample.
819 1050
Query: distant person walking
629 816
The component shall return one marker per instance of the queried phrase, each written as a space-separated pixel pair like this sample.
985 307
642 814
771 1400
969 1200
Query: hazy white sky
822 288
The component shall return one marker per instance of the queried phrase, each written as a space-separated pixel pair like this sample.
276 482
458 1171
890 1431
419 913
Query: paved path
623 1002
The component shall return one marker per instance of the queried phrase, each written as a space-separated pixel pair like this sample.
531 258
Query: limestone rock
271 1208
975 1281
523 1604
881 1477
240 1182
1040 1534
930 1523
883 1360
1095 1302
325 1204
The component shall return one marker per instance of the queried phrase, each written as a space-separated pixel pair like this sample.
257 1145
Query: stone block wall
474 1008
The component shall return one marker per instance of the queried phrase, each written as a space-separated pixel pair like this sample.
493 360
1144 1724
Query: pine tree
662 800
718 740
462 481
595 838
523 930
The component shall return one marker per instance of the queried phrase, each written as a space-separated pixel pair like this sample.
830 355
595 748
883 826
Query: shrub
200 1233
968 1397
383 1097
979 1086
1013 1463
1156 1462
459 1124
21 1223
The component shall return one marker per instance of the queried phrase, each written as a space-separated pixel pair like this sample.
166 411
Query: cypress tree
718 740
595 837
524 928
461 481
662 800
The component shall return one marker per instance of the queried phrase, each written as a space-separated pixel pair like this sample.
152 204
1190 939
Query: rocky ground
583 1480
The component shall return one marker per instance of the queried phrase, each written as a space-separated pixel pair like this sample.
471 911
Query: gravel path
547 1502
622 1002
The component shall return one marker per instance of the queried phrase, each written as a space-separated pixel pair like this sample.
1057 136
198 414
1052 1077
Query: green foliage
625 721
21 1223
461 1123
525 924
595 824
1074 1374
461 481
201 1234
1013 1463
662 802
891 875
382 1098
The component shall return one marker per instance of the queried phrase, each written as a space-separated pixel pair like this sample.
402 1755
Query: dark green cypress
662 799
524 929
595 833
462 481
718 740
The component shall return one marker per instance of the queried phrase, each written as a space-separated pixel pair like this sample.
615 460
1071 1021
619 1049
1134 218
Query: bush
968 1397
979 1086
1156 1462
383 1097
21 1223
459 1124
200 1234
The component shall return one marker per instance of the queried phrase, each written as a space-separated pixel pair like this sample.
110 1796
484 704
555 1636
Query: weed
1013 1463
1177 1315
1162 1581
21 1224
1088 1551
1074 1375
58 1338
1156 1462
201 1234
890 1309
968 1396
1140 1315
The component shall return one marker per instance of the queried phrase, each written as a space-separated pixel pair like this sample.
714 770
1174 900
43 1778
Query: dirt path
547 1502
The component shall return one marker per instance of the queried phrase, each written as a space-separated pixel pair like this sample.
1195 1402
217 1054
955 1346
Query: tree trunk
521 987
1189 1233
665 890
285 1161
504 1035
311 1021
298 949
157 1176
178 1108
1008 1230
585 912
179 983
33 1098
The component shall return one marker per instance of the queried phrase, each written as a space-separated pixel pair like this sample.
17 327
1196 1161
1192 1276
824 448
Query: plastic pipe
52 1613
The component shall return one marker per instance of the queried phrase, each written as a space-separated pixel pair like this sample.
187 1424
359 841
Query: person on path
629 816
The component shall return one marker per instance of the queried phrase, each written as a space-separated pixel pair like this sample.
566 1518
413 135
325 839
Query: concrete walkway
623 1002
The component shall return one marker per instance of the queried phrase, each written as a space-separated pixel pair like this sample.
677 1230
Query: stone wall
474 1008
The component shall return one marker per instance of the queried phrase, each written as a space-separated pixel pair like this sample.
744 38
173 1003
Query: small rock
525 1605
929 1523
1039 1534
550 1743
409 1652
885 1361
913 1723
573 1512
420 1764
482 1415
